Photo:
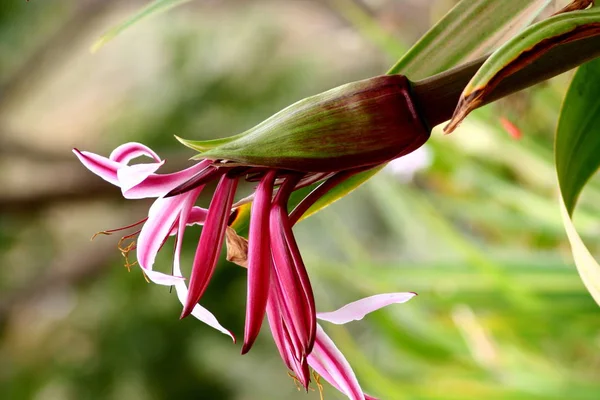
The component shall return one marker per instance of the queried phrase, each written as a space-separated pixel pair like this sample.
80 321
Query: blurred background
471 222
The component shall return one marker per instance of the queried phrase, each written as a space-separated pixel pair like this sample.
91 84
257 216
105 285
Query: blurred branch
31 153
75 185
82 189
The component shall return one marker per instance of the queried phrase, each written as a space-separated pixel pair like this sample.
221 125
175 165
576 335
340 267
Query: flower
324 139
166 217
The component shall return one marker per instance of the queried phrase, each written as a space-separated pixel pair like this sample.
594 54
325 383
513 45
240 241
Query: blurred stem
438 95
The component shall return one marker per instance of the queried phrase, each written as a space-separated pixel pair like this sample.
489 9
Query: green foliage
577 152
470 29
521 50
450 43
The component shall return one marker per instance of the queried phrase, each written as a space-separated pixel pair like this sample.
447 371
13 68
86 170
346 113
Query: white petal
356 310
330 363
132 175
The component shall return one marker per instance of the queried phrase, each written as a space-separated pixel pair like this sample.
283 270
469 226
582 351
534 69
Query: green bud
359 124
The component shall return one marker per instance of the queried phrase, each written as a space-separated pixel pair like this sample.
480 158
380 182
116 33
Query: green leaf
577 153
153 8
434 53
341 190
521 51
470 29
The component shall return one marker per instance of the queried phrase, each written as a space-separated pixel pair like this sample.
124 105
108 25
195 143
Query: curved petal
196 217
331 364
182 291
132 175
161 218
289 270
101 166
161 278
259 261
211 240
356 310
128 151
157 185
284 337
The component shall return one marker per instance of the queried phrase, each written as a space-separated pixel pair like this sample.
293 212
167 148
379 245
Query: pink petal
290 271
284 337
211 241
161 218
182 292
157 185
259 261
293 297
132 175
331 364
128 151
303 279
276 297
101 166
276 324
356 310
196 217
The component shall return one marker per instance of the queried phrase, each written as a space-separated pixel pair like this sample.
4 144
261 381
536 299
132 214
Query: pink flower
278 283
167 216
270 239
324 139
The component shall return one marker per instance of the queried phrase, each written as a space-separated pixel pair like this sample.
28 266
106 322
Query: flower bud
359 124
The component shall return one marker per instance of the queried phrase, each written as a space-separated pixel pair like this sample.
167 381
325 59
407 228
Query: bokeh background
471 223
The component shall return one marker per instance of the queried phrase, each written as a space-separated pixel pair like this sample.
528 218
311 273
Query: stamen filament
111 231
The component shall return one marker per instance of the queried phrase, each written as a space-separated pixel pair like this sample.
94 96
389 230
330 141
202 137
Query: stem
437 96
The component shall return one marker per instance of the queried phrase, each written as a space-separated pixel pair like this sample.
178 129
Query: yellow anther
100 233
296 381
125 252
318 383
125 249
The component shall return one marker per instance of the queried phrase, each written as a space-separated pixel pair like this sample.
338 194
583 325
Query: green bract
358 124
